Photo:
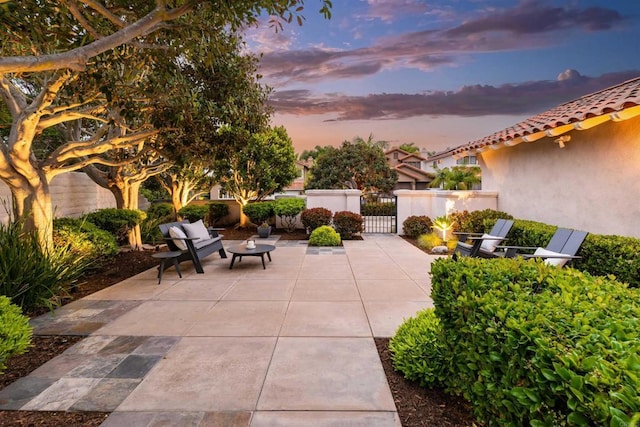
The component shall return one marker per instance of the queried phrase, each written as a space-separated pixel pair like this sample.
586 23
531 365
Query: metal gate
380 213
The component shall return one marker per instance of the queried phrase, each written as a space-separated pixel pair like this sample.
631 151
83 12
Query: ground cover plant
529 344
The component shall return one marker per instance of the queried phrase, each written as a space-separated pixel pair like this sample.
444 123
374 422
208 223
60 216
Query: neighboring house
576 165
408 166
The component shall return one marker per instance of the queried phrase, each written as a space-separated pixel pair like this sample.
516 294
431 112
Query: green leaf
578 419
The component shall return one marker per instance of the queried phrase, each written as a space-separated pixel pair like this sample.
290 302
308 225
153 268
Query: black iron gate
380 213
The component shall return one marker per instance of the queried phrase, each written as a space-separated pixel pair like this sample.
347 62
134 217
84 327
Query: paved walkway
291 345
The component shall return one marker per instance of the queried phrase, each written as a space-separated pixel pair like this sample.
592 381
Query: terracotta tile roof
415 173
582 113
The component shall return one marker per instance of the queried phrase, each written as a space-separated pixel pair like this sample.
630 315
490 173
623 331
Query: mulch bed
417 406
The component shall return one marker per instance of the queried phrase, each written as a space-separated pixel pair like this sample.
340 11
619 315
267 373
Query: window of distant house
414 164
468 160
395 156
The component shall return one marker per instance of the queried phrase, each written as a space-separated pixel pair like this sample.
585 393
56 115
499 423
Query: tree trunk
32 205
126 194
176 200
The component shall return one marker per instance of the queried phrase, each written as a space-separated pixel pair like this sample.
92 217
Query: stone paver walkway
291 345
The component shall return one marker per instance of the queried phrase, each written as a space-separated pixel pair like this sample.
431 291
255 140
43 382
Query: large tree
201 98
256 165
357 165
50 44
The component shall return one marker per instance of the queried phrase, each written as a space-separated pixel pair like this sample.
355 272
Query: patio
289 345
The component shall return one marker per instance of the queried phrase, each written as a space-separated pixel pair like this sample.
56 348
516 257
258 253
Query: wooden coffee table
260 250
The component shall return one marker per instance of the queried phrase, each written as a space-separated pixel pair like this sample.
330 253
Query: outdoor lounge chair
483 245
562 248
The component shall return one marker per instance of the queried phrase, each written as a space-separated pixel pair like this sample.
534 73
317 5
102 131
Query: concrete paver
291 345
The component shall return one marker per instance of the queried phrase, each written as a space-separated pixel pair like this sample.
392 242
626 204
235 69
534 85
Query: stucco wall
592 184
72 194
435 203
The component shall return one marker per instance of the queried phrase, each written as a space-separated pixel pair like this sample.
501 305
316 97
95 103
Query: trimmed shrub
259 212
83 238
479 221
194 213
414 226
315 217
348 224
161 210
324 236
608 254
15 331
32 277
288 209
532 344
217 211
417 349
116 221
530 233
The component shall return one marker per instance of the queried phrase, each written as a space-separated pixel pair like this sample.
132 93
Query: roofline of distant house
616 103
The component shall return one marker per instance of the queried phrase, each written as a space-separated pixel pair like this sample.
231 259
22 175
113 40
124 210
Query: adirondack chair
483 245
561 249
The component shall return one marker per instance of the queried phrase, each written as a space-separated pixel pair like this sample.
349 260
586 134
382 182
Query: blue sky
440 73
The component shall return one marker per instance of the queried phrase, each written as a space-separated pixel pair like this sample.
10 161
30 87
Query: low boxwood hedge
531 344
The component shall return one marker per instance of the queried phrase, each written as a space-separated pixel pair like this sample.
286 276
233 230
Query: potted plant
260 213
264 230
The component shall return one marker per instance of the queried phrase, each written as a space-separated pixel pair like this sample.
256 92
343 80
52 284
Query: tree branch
13 98
104 12
76 59
73 8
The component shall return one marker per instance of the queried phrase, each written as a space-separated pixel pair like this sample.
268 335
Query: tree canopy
357 165
256 165
58 59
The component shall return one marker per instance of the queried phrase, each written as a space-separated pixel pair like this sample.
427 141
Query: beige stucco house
576 165
408 165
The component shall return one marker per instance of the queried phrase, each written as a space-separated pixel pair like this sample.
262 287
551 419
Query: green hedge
194 213
379 209
477 221
531 344
602 255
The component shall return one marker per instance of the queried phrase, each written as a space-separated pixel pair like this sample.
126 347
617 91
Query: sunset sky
440 73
